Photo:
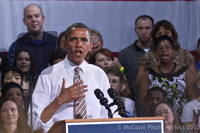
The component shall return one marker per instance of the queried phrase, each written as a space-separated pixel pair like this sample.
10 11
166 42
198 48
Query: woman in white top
121 88
190 115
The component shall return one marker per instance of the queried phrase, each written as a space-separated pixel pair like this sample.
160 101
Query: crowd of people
45 77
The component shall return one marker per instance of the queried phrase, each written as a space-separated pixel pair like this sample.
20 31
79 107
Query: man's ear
24 21
135 30
43 17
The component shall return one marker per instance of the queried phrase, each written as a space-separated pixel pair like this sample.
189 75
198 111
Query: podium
110 125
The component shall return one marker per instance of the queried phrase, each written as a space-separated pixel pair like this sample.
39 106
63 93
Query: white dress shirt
49 85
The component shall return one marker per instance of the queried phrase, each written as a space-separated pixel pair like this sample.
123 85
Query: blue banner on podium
141 126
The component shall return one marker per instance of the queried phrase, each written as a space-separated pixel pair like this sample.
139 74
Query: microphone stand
102 101
110 115
31 76
120 109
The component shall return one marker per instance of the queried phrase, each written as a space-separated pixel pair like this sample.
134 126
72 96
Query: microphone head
112 93
98 93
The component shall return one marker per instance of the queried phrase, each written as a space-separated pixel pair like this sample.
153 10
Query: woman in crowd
24 62
177 81
171 121
12 120
104 58
181 56
190 116
11 75
97 40
13 90
118 83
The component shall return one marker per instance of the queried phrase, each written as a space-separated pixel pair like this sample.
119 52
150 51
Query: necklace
165 72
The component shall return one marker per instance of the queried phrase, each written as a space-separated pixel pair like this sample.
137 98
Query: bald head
34 18
30 6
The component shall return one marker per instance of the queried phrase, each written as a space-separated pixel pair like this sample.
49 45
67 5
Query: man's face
33 19
143 30
153 98
77 45
16 94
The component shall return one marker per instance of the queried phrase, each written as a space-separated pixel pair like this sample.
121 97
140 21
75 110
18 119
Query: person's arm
116 63
191 86
143 89
187 115
193 69
11 53
66 95
139 74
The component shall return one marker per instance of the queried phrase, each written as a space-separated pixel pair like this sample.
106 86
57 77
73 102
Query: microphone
100 96
117 101
103 101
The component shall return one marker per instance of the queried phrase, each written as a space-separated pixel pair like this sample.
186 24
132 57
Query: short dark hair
161 38
157 89
14 69
8 86
35 5
144 17
77 25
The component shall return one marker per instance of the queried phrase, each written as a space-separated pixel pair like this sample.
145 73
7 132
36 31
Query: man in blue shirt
38 43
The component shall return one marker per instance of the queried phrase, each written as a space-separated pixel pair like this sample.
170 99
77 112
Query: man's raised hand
75 91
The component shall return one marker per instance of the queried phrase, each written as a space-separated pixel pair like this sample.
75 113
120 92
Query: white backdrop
113 19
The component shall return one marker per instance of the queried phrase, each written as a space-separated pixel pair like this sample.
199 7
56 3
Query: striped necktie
79 103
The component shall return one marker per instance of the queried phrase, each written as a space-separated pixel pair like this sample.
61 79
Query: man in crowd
38 43
59 87
129 57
